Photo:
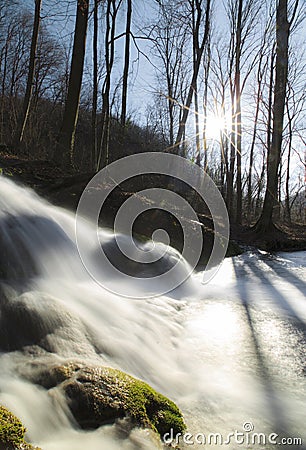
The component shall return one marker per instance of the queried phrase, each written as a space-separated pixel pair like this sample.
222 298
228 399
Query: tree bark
287 197
205 104
22 120
230 175
65 145
265 222
270 100
238 112
126 61
94 155
192 88
251 161
111 14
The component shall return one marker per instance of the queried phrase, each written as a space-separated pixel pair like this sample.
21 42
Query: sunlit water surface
230 353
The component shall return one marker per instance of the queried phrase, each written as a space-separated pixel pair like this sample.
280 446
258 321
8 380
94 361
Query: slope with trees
226 90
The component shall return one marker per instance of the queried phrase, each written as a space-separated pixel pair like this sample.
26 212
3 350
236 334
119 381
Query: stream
231 353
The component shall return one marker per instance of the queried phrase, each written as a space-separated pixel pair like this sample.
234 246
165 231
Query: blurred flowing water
230 353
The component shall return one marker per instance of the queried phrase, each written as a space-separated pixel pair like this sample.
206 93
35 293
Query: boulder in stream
99 395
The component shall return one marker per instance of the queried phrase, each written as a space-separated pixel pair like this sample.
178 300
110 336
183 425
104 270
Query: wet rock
12 432
40 321
99 395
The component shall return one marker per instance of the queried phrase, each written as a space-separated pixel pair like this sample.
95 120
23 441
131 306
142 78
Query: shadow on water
278 298
279 269
278 415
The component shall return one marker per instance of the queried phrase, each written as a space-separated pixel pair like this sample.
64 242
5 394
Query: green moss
146 406
152 408
11 429
12 432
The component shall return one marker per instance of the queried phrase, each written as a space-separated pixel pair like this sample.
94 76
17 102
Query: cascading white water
229 353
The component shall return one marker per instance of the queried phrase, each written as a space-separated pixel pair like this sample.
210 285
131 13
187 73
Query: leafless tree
64 150
283 27
242 17
95 84
22 120
199 44
126 61
168 35
112 8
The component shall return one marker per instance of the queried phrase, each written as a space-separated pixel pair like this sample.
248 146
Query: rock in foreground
100 395
12 432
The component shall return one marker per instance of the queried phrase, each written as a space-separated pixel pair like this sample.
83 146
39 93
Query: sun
215 126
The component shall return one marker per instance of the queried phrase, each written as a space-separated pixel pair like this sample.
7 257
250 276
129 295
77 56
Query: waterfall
228 353
52 310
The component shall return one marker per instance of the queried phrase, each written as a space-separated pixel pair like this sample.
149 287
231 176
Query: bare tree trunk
238 112
265 222
205 101
205 147
192 88
65 145
230 177
95 87
171 115
251 161
126 61
224 150
260 185
22 120
197 127
4 58
270 100
195 51
287 197
111 14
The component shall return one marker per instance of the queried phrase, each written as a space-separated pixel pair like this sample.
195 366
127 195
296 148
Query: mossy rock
101 395
12 432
